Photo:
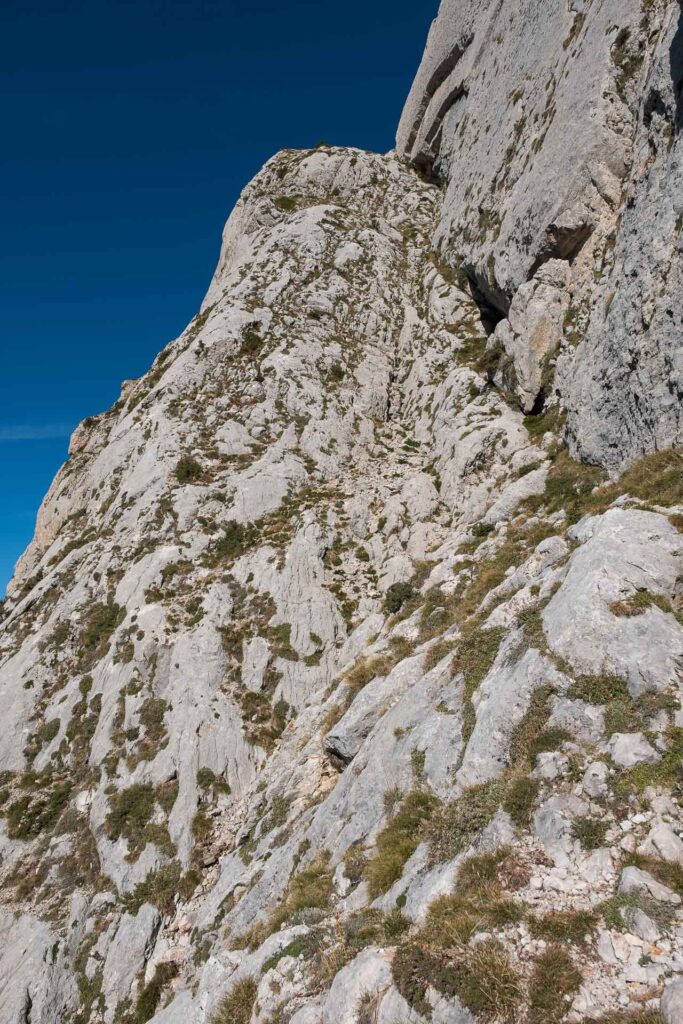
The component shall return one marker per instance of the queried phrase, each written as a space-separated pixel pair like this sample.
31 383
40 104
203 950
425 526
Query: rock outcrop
554 127
341 680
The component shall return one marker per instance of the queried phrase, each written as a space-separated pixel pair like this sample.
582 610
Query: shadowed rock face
554 129
334 690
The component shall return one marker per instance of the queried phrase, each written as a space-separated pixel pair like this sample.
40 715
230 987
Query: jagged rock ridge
335 690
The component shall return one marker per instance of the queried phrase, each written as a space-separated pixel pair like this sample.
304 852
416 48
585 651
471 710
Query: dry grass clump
237 1007
639 603
520 800
590 832
629 1017
553 982
564 926
532 736
481 977
478 903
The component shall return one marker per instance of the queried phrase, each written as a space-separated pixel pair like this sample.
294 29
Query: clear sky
129 128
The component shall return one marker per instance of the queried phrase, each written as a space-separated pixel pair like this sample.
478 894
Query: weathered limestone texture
341 681
554 128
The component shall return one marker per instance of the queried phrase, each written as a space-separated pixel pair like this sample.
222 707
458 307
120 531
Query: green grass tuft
398 841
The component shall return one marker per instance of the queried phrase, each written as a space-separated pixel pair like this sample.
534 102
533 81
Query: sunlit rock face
553 128
340 682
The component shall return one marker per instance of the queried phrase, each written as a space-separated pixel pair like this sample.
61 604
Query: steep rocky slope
336 690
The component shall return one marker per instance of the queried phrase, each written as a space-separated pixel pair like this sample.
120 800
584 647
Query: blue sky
129 129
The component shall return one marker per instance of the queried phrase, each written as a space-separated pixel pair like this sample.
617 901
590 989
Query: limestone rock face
334 688
555 130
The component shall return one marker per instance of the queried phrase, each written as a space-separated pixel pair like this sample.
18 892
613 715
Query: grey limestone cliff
341 681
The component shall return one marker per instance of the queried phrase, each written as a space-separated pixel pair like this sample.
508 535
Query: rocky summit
341 681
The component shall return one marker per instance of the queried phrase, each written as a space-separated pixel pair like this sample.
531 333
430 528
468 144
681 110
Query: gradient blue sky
129 129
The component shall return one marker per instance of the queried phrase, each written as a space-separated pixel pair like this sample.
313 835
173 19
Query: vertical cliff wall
554 129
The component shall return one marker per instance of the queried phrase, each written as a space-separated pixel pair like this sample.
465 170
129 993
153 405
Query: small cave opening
538 407
493 307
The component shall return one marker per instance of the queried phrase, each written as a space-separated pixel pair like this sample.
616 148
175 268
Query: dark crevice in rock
493 305
440 74
539 403
490 315
425 160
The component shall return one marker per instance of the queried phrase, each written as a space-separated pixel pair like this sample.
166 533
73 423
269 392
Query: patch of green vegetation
373 928
281 641
398 841
520 800
564 926
492 572
531 621
569 487
365 670
294 949
481 977
131 811
627 60
396 596
532 736
264 722
437 652
285 203
611 909
44 799
550 421
167 794
238 1006
617 909
206 779
581 490
161 888
188 471
590 832
554 981
477 904
454 826
666 773
477 650
309 889
150 996
151 715
669 873
98 625
48 731
251 343
279 812
417 762
236 541
622 712
639 603
90 992
355 863
599 689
